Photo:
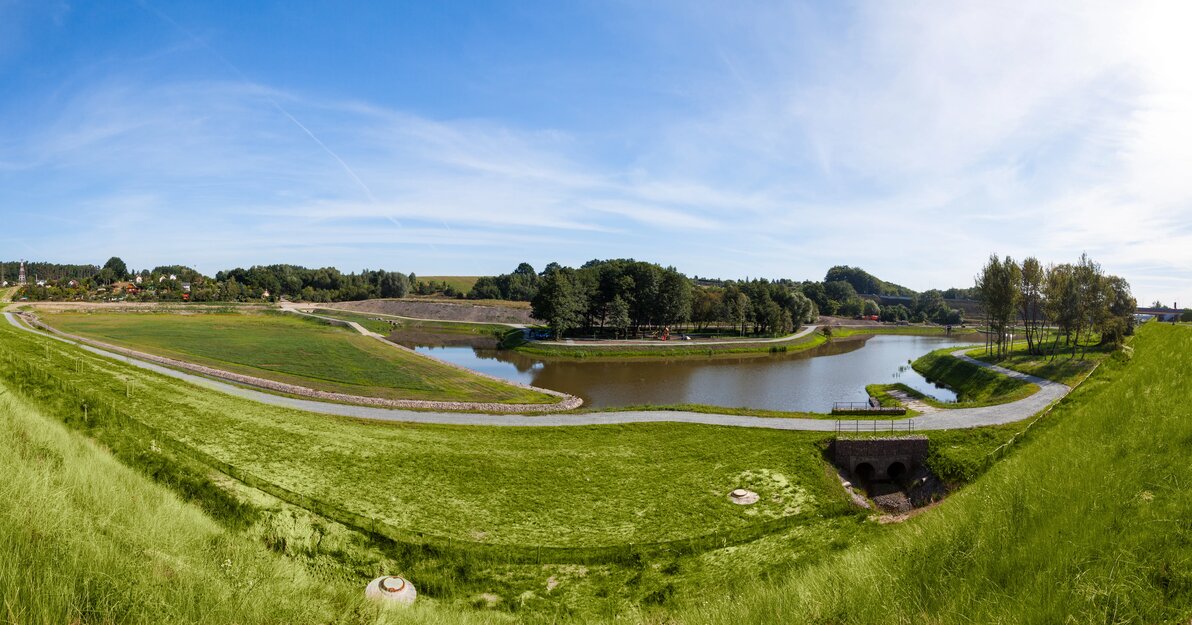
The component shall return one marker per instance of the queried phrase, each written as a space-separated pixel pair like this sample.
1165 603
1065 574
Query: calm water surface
809 381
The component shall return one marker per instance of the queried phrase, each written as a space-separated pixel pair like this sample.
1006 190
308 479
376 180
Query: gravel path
946 419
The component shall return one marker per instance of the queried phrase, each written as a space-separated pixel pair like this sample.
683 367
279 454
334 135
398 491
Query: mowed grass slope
569 487
84 539
293 350
974 385
510 488
1087 523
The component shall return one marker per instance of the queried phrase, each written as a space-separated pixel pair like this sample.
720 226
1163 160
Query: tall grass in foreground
1091 522
84 539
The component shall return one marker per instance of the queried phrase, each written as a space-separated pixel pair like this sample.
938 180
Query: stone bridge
888 458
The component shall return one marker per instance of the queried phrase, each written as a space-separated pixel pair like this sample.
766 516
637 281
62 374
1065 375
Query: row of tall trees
1076 301
313 285
627 297
519 286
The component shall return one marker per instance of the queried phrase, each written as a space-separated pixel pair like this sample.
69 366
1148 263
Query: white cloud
914 140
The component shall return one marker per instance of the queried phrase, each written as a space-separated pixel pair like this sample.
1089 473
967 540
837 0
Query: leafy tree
997 286
1031 301
840 291
870 308
618 316
556 303
116 267
896 312
486 287
1119 322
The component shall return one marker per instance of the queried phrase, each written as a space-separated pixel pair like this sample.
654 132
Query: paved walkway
944 420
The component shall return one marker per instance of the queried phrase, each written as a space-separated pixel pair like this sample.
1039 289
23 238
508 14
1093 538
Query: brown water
808 381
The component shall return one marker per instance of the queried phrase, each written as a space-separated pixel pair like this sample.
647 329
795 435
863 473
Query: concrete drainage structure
391 590
879 458
743 497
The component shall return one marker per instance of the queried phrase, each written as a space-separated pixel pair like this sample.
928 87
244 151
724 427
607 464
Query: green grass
840 332
85 539
370 321
1086 523
294 350
672 349
974 386
554 482
463 284
454 489
1063 367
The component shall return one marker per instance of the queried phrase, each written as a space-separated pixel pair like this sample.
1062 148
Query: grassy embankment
84 539
1064 367
470 508
463 284
1086 523
294 350
671 349
913 330
386 324
974 386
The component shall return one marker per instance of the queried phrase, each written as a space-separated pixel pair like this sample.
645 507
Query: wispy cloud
910 138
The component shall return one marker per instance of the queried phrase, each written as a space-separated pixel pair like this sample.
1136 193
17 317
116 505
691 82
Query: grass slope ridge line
569 402
566 402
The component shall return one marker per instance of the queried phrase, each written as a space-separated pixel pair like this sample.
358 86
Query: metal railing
875 425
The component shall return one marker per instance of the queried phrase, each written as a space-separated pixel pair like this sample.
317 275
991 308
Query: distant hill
865 282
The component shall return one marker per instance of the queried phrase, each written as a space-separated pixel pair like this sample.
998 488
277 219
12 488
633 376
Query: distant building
186 287
138 280
265 293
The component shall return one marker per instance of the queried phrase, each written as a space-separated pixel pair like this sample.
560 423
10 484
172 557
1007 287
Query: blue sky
765 139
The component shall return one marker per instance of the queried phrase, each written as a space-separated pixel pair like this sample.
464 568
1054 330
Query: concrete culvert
391 590
896 470
864 471
743 497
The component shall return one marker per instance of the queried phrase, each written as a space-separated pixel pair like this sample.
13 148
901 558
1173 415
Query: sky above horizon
912 139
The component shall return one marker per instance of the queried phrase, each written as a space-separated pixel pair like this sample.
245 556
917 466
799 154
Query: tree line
626 297
1076 301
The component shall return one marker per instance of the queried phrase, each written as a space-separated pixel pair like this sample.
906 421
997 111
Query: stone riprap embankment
566 402
440 311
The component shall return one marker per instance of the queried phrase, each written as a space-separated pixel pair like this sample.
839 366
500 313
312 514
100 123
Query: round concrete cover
743 497
391 589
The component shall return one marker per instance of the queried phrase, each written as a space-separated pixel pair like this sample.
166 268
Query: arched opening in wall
896 470
864 471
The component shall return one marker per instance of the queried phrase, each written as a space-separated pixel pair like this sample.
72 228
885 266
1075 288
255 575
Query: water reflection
806 381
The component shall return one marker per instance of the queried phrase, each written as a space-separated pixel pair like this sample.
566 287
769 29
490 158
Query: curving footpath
960 418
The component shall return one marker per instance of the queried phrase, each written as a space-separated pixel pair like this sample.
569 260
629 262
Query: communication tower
21 276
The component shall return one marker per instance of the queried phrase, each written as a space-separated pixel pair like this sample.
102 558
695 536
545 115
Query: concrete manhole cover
743 497
391 590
